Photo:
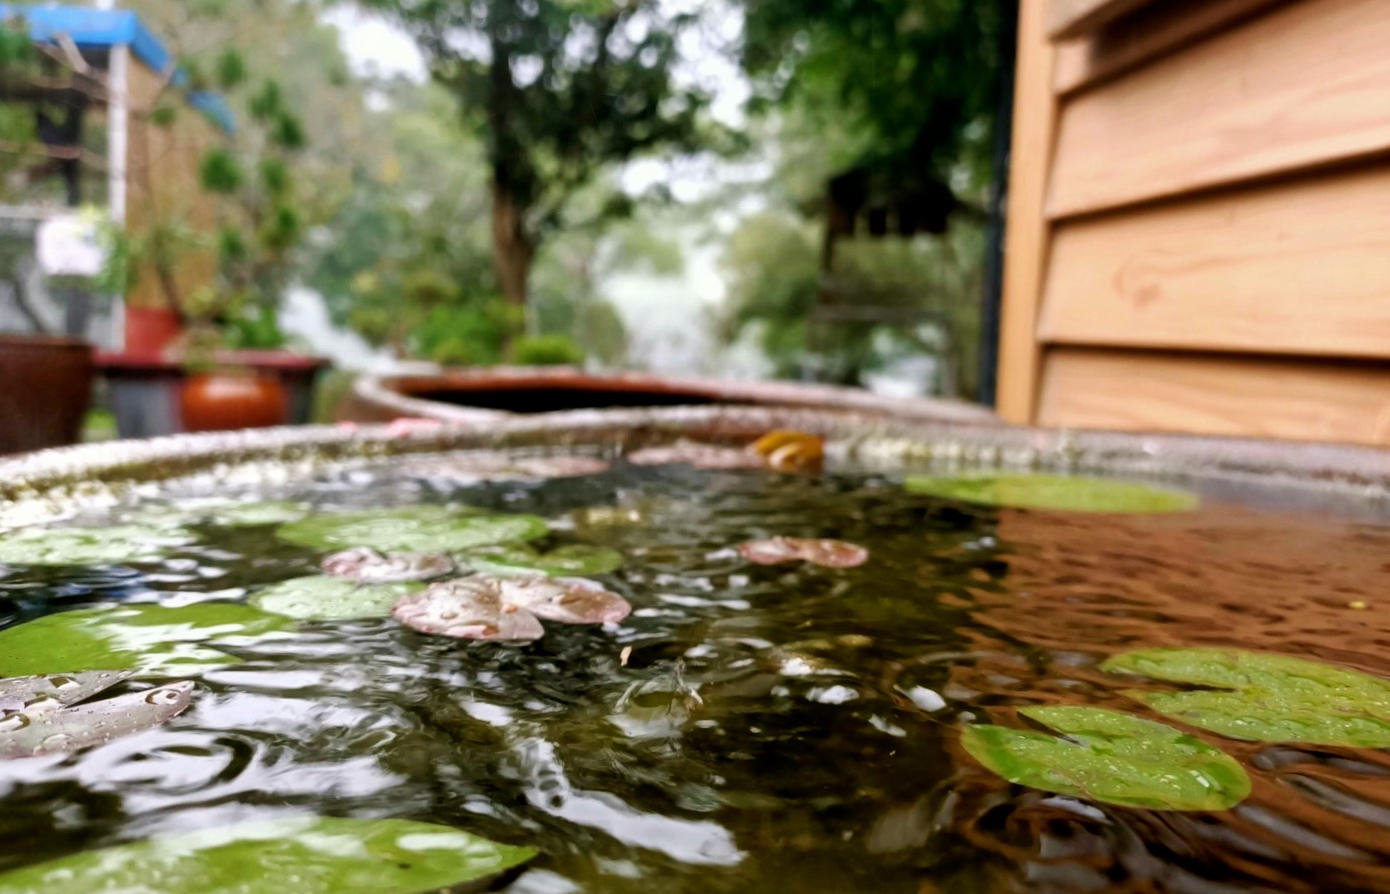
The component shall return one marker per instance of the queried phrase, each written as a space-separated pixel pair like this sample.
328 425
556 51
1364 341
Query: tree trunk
512 249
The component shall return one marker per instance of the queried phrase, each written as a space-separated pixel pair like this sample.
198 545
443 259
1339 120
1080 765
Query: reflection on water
755 728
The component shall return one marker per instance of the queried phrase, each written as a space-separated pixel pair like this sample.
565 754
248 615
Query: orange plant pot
229 400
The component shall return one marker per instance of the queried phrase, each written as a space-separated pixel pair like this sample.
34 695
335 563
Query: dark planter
497 392
147 389
45 389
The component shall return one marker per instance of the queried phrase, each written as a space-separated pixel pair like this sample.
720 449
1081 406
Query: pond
959 695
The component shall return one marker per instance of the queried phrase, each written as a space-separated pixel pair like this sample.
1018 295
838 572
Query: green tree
556 90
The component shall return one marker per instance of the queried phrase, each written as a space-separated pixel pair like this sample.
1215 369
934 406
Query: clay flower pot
225 400
47 385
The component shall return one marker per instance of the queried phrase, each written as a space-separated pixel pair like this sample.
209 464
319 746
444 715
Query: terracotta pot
45 388
228 400
149 330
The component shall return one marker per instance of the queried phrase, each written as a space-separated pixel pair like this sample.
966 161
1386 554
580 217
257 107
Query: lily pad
508 608
1065 493
91 546
306 855
827 553
326 598
149 640
1111 757
367 566
40 731
1265 698
412 529
219 511
565 561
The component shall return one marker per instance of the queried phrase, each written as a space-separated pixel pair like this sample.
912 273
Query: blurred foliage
546 350
773 265
557 91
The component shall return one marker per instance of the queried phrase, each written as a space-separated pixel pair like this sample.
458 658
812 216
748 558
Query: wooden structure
1199 232
114 77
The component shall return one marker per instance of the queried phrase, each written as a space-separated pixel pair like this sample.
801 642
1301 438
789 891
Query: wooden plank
1026 241
1300 268
1149 32
1144 391
1302 86
1073 18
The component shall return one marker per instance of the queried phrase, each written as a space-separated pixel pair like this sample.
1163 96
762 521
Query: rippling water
775 729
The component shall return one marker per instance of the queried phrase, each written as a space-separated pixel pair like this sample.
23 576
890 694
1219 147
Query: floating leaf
508 608
791 451
828 553
569 600
700 456
48 691
1265 698
150 640
470 608
1111 757
41 731
325 598
562 562
412 529
303 855
1057 492
470 468
250 515
91 546
367 566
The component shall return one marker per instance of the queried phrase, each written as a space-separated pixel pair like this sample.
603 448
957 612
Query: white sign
70 245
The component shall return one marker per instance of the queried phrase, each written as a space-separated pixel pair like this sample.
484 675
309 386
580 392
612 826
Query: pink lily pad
367 566
507 608
826 553
39 731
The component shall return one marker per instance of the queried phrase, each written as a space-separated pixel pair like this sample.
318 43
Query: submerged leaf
827 553
1111 757
48 691
149 640
36 732
325 598
91 546
508 608
1265 698
367 566
412 529
303 855
564 561
1057 492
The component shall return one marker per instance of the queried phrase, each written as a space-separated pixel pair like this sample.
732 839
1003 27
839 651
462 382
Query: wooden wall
163 185
1199 233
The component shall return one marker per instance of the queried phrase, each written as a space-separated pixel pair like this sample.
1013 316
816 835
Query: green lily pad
1111 757
305 855
150 640
326 598
412 529
567 561
1057 492
91 546
1265 698
218 511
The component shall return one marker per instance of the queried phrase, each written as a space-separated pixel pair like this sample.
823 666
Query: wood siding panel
1302 86
1073 18
1026 241
1271 270
1146 34
1136 391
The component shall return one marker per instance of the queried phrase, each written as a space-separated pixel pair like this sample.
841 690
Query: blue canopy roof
104 28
